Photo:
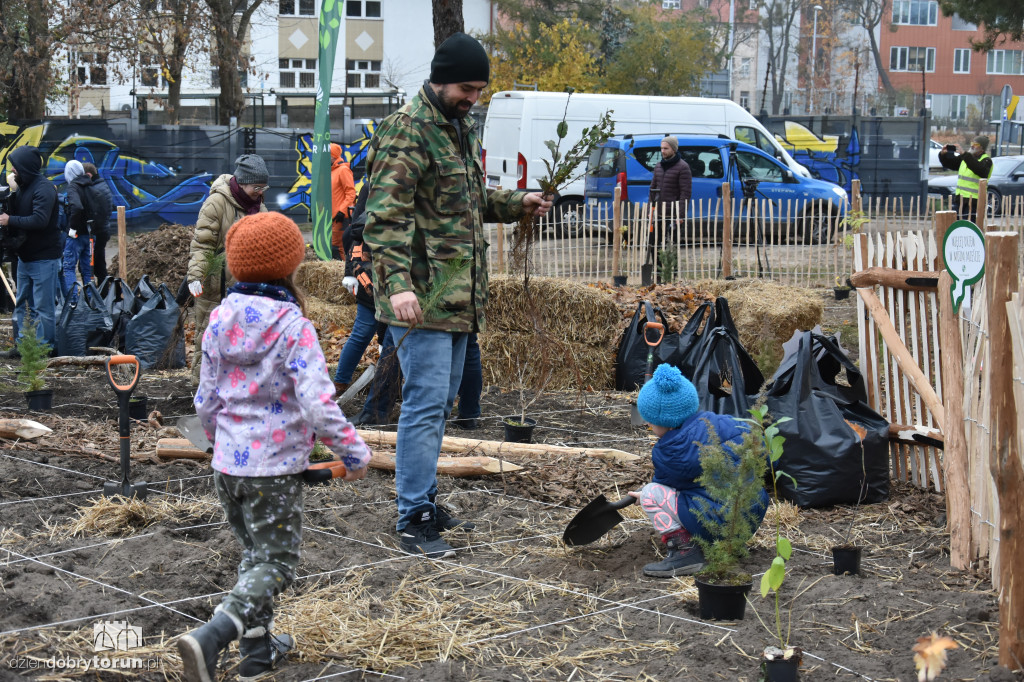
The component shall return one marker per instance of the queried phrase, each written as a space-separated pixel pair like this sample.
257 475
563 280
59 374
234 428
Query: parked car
933 154
629 161
1007 181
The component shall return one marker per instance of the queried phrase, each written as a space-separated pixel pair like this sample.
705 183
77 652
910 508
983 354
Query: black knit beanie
460 59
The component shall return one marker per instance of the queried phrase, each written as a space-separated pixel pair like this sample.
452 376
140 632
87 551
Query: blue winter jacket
676 459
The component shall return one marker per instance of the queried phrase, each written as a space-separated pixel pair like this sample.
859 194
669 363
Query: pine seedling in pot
35 356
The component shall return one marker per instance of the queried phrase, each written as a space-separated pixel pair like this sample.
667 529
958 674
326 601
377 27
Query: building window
243 78
297 73
362 9
151 71
745 99
1005 62
958 107
961 25
671 4
300 8
744 69
911 58
915 12
961 60
90 67
362 73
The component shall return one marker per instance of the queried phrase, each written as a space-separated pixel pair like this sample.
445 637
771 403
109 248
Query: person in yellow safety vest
971 167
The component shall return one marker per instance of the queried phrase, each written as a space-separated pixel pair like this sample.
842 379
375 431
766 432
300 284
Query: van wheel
568 219
817 228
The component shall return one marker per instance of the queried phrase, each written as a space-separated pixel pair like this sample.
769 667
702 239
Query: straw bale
322 279
510 360
327 317
569 310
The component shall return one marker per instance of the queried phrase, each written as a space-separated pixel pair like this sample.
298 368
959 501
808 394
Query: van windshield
756 138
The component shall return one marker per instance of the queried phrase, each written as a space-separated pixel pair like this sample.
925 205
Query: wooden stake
22 429
954 455
616 230
1007 471
122 245
726 231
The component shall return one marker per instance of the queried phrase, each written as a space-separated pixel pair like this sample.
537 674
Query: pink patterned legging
659 503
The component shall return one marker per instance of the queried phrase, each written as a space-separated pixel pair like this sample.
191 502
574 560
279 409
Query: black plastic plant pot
619 280
781 670
722 602
40 400
845 560
841 292
138 407
519 432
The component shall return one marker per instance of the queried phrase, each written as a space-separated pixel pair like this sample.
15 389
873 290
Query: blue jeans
363 330
77 254
472 382
432 363
386 380
37 288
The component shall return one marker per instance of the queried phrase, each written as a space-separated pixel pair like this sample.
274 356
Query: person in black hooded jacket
34 216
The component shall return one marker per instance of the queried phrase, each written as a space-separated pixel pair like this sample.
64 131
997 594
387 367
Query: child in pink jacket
264 397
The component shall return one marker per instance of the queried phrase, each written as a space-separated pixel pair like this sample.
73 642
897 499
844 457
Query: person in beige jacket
231 197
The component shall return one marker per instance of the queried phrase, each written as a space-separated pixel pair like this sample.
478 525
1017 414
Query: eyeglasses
261 188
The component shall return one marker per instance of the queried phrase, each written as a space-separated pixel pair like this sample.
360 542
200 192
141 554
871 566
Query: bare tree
868 14
230 20
25 50
447 19
778 18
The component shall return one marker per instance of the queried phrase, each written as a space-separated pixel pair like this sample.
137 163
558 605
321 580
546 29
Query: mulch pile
162 254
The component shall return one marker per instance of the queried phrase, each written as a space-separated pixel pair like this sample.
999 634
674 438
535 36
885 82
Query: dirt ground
514 604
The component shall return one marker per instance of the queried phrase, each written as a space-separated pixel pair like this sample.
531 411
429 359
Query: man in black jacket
102 204
34 214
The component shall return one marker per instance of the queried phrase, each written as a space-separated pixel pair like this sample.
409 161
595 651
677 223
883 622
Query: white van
518 122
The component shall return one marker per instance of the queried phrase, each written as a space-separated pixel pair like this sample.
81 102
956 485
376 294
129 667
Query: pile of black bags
140 322
832 461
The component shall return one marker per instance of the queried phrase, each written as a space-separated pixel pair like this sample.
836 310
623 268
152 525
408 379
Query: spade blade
594 520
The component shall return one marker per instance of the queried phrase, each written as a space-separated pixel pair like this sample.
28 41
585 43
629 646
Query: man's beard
451 105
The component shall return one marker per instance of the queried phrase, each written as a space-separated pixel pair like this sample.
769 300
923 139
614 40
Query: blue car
628 161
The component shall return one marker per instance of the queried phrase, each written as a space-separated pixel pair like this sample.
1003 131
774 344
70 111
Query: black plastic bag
84 322
120 302
822 451
690 343
150 333
725 376
143 291
631 360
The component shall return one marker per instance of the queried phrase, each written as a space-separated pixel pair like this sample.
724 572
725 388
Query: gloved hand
350 283
195 288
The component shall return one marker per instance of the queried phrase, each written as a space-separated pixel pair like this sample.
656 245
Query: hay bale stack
580 327
767 314
327 317
322 279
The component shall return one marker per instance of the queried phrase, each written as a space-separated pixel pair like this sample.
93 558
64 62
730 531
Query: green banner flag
320 212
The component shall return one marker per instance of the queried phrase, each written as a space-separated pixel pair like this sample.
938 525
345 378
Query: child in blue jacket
668 402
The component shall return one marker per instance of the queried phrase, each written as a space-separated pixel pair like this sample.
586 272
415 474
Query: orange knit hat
264 247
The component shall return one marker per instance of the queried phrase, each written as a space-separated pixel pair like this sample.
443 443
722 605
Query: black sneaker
685 560
423 538
466 423
443 520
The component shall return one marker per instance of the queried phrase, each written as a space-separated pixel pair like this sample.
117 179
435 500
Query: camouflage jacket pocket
451 274
452 186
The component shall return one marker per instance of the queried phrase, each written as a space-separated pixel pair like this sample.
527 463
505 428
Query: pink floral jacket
264 392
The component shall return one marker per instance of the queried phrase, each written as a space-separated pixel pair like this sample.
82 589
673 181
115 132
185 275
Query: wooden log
916 435
181 448
178 448
903 356
122 245
955 468
616 230
22 429
924 280
1005 465
375 438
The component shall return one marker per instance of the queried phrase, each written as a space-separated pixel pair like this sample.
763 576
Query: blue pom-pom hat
668 399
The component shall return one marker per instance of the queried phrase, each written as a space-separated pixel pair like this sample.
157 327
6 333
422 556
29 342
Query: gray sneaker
423 538
681 560
445 521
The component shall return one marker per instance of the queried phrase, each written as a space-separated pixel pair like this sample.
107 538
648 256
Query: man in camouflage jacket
425 215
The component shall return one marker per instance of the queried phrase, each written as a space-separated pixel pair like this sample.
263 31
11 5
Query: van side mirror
788 176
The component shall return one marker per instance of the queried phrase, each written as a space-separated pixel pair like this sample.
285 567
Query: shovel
594 520
649 324
357 386
193 430
124 394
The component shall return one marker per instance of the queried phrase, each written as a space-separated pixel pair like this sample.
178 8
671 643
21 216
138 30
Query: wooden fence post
726 231
122 245
982 205
954 453
1007 471
616 230
943 219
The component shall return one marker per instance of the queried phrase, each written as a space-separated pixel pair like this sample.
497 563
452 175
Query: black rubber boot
200 649
684 558
260 651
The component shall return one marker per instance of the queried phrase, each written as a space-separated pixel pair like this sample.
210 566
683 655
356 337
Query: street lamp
814 53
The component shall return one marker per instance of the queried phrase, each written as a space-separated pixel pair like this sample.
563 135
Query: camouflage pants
203 307
265 514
